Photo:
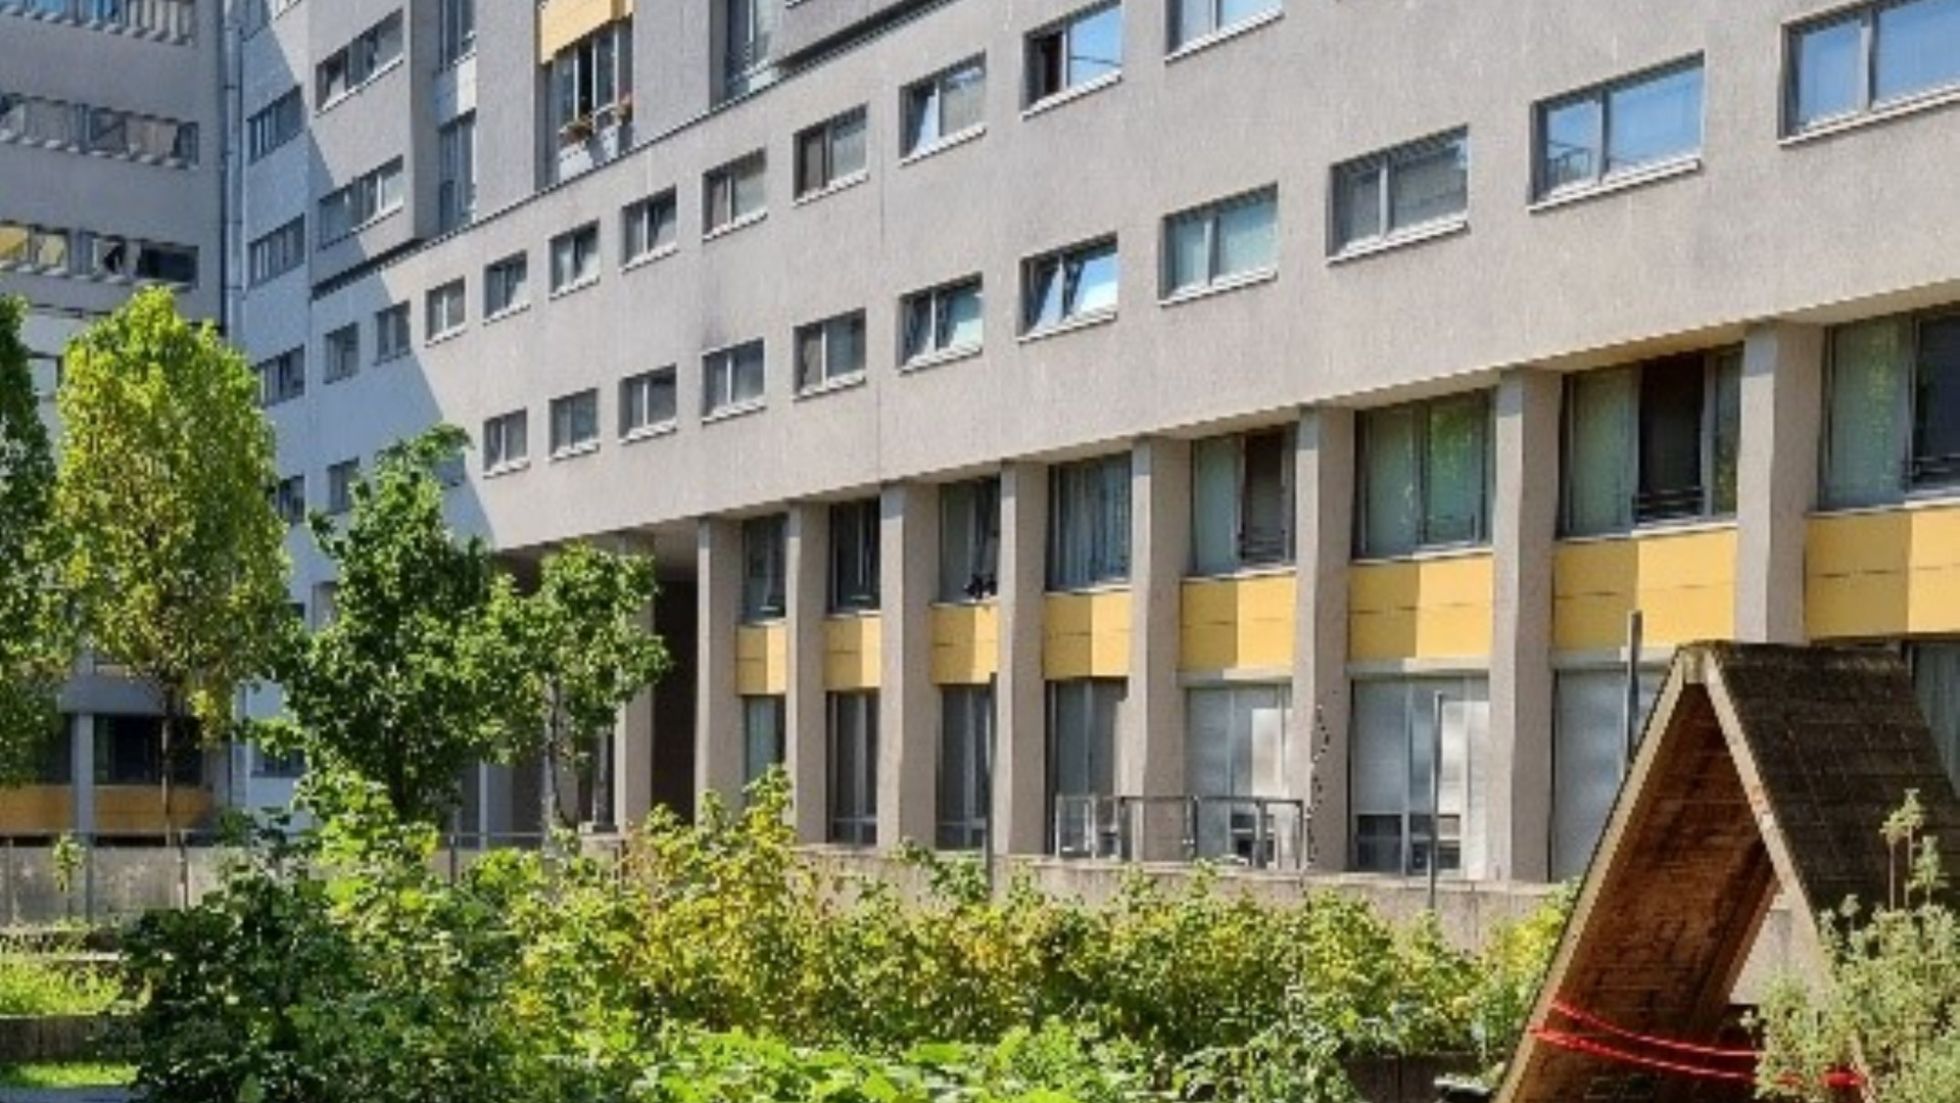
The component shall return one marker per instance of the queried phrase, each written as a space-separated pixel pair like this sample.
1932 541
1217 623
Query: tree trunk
548 773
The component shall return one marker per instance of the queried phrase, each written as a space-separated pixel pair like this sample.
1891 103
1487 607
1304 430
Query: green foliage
52 1077
67 857
31 648
46 980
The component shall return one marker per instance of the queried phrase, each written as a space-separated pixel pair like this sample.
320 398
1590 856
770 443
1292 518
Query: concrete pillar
718 712
1151 760
1516 777
1020 768
1317 757
908 703
81 750
632 753
494 810
807 599
1776 477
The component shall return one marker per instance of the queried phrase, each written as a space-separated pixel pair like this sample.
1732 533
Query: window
289 499
276 253
1402 191
341 478
575 258
1082 716
109 257
574 423
1643 121
34 248
1236 747
1070 284
80 128
1089 523
732 378
1398 826
1936 685
764 552
1242 502
854 768
282 378
457 33
735 193
1425 475
748 27
280 767
945 106
447 311
456 160
391 337
506 441
1892 410
830 153
343 354
966 736
503 285
1085 48
1654 442
359 61
1192 20
941 321
1875 57
171 19
854 539
1590 754
592 81
1220 242
969 540
649 227
830 351
763 737
275 124
646 402
366 200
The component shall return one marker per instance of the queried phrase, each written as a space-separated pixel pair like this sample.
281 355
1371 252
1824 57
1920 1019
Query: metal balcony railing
1254 832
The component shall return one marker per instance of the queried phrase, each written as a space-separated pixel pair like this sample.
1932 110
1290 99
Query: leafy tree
31 657
420 673
589 655
174 557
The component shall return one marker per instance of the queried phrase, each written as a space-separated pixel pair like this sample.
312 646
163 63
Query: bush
47 981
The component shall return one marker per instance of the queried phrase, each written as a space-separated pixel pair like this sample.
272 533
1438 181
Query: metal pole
1631 702
1435 802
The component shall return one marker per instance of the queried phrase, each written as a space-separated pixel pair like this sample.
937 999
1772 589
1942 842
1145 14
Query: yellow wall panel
1683 584
1087 635
119 809
1423 609
762 660
37 809
563 22
852 651
965 644
1236 623
1895 573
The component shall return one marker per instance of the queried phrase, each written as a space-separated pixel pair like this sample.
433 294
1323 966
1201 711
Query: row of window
87 254
171 19
100 130
347 69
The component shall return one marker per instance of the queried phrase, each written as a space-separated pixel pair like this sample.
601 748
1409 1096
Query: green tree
31 656
591 653
421 671
173 556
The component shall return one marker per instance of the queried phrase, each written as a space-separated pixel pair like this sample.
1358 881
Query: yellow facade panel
1422 609
563 22
1683 584
1086 635
119 809
1894 573
965 644
1236 624
852 652
762 660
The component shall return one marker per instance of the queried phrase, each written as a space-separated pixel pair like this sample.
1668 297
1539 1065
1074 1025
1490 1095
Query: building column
1317 757
81 773
806 598
1516 780
717 710
1151 761
1776 478
1020 766
632 752
908 705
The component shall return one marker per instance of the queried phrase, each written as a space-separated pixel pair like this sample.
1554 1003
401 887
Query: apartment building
111 173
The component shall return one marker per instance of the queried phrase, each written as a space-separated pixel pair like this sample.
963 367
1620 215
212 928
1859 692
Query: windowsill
1223 35
649 257
508 312
1070 95
331 380
574 287
739 224
864 612
966 602
1424 555
355 90
503 469
1262 570
1219 287
391 357
1613 185
1070 325
1416 235
1686 526
360 228
1113 586
1898 109
445 336
843 183
773 620
575 451
944 143
832 386
941 356
1944 497
456 62
650 432
740 409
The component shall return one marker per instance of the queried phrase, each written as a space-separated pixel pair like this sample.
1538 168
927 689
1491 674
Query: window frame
507 285
456 173
1869 105
855 545
718 398
455 291
1209 213
367 199
1383 164
577 258
1643 517
824 332
1424 543
647 381
503 449
826 136
456 32
392 321
564 415
1105 572
769 604
1601 94
928 93
340 353
1908 485
857 825
341 478
939 344
1070 316
360 62
723 183
639 239
1033 94
1242 562
979 559
975 706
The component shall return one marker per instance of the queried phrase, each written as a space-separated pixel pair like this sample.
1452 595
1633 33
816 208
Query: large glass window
1399 826
1221 242
733 378
1235 748
1069 284
1401 191
944 106
1089 523
1082 722
1241 502
1591 750
1080 50
1893 410
591 81
1192 20
941 321
854 768
763 736
456 188
764 558
1625 126
966 733
1425 473
854 539
969 540
1656 442
748 32
458 31
1871 58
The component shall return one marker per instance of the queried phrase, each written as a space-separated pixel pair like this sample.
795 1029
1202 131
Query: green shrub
46 980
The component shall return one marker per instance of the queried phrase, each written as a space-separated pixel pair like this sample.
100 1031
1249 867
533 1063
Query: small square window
648 227
945 106
830 351
647 401
830 153
343 354
574 423
504 285
448 310
506 441
732 378
734 193
575 258
941 320
1068 285
1074 53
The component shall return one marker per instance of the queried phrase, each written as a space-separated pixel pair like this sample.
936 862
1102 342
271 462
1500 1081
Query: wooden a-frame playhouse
1764 770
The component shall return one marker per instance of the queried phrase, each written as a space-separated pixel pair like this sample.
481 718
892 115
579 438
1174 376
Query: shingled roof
1763 770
